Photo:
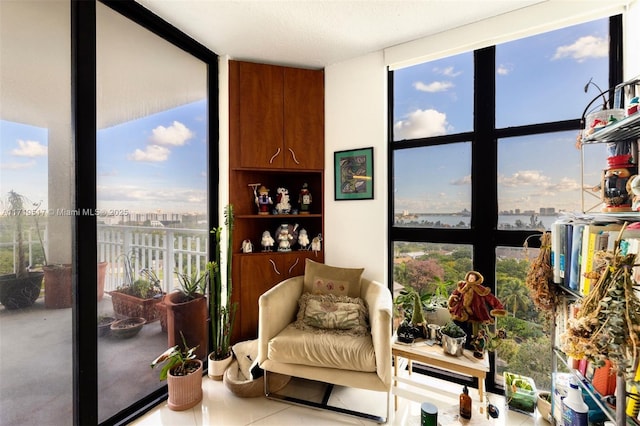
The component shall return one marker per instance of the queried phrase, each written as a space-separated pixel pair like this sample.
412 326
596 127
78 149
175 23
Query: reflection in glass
432 99
151 192
432 186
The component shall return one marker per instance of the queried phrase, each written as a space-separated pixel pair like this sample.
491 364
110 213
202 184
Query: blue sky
158 162
538 79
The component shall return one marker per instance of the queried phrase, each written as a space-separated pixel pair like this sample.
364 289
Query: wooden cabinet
276 117
257 273
276 139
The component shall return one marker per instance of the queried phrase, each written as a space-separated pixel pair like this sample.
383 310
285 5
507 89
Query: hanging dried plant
607 325
540 277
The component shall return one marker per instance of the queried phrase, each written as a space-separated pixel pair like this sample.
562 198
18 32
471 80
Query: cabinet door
260 115
303 119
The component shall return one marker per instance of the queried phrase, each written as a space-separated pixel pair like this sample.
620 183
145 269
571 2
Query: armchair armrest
378 299
277 309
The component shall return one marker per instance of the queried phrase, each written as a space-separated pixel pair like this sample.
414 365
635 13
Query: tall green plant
222 310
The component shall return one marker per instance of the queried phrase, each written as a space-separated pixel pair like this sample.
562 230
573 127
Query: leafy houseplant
187 312
183 373
22 288
453 338
222 309
411 303
137 296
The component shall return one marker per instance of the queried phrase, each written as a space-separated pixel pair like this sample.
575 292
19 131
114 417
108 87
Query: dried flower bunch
607 325
540 276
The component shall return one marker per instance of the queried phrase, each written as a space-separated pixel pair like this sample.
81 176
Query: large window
483 156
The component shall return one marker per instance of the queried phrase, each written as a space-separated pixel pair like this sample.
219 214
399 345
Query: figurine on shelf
267 241
284 238
247 246
479 344
304 198
316 243
283 205
263 200
303 240
473 302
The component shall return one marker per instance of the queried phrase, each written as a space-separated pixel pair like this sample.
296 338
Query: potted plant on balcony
137 297
222 309
187 312
183 373
22 288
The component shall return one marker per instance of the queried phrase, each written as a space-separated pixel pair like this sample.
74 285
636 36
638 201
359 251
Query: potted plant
21 288
222 309
183 373
520 392
453 338
187 312
410 303
137 297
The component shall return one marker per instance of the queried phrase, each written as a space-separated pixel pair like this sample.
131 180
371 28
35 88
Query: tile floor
221 407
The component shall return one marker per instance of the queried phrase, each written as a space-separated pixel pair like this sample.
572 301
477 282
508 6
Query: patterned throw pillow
331 313
349 277
323 285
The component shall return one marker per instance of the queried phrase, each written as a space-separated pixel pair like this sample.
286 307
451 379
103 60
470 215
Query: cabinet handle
293 154
274 156
294 265
273 264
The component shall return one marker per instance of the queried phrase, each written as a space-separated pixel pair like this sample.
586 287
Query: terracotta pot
125 305
185 391
102 272
190 318
57 286
216 368
20 293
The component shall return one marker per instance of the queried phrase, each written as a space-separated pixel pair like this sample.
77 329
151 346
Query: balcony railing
161 250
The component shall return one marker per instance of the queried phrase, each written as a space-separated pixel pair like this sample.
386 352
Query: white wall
356 117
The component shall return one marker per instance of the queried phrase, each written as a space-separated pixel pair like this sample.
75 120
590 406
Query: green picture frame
353 174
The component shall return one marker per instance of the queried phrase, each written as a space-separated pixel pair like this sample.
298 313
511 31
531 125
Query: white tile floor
221 407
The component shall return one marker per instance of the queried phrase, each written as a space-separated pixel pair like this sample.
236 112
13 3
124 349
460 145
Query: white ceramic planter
218 367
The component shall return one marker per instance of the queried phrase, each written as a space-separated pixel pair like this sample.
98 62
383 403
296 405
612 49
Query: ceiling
317 33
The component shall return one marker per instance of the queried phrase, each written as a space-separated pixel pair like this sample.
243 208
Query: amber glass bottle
465 404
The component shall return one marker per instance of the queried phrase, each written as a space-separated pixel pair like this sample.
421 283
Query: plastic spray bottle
575 412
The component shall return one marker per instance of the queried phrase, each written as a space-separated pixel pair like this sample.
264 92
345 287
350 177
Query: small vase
218 367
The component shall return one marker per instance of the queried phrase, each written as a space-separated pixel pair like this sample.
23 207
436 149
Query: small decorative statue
303 239
263 200
284 238
283 205
267 241
479 344
304 198
316 243
473 302
247 247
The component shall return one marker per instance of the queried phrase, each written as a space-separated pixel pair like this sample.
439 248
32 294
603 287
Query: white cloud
152 153
543 184
421 124
436 86
30 149
504 69
465 180
584 48
17 166
448 71
175 135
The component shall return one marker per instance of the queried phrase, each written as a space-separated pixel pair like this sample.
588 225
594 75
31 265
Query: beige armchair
362 362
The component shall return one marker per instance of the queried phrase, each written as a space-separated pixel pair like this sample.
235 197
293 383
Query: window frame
483 233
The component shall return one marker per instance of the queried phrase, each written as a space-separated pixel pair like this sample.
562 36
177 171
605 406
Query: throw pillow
331 313
324 279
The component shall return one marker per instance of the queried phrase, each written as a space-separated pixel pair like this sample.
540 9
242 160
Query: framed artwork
354 174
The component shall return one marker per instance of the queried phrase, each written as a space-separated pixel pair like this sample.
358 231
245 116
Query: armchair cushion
330 313
295 346
324 279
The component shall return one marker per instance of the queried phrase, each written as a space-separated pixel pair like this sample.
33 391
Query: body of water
459 221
